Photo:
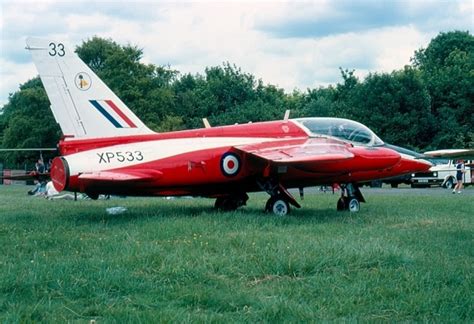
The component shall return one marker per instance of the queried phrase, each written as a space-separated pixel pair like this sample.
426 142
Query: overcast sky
290 44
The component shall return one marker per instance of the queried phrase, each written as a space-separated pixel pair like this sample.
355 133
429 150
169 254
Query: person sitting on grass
52 194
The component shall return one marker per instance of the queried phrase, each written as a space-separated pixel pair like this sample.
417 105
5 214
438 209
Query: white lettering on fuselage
127 155
121 157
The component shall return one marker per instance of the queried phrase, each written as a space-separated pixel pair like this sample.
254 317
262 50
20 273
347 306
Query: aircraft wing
467 154
309 156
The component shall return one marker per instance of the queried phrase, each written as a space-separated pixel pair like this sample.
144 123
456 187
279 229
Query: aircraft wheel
354 205
278 206
342 204
225 204
219 203
92 195
449 184
231 203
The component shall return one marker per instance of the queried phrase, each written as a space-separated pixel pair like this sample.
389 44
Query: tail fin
81 103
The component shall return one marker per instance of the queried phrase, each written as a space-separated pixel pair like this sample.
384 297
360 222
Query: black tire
268 205
342 204
92 195
449 183
219 202
394 185
226 204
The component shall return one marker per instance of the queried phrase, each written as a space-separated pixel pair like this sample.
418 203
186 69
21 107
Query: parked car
443 173
395 181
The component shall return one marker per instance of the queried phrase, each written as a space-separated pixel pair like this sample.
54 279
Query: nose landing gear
351 197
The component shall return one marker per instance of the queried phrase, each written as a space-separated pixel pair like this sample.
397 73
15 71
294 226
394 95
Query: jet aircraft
107 149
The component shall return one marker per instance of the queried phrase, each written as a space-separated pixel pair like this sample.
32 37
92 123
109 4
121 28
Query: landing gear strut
351 197
231 202
280 199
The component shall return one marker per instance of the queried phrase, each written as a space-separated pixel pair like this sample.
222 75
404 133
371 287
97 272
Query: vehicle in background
393 182
443 174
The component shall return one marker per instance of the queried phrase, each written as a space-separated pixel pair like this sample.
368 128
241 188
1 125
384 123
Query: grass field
402 258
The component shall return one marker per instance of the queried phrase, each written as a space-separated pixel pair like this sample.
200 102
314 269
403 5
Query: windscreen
345 129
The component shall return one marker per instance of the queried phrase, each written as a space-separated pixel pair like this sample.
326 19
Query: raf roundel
230 164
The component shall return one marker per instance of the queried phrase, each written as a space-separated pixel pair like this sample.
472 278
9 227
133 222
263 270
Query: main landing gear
351 197
231 202
278 205
280 199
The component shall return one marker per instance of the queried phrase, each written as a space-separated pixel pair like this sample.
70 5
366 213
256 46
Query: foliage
403 258
447 67
28 123
396 106
428 105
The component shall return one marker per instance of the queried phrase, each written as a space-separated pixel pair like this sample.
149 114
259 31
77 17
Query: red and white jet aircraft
106 149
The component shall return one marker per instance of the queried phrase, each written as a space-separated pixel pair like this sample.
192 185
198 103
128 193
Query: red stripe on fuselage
120 113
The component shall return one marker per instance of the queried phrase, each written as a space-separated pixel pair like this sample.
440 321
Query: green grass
402 258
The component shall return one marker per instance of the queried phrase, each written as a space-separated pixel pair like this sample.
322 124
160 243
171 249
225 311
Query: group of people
45 188
40 183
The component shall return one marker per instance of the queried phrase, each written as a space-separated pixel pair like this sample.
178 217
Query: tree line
426 105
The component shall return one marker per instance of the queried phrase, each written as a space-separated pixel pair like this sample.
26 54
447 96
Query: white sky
294 45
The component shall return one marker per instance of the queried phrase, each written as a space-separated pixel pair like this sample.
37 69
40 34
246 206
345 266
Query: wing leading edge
308 156
323 156
452 153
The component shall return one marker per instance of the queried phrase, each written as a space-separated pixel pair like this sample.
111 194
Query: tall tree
28 122
427 105
447 67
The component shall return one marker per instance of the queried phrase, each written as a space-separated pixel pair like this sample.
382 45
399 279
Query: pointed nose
411 161
409 164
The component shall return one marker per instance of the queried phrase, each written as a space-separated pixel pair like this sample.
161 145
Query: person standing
460 170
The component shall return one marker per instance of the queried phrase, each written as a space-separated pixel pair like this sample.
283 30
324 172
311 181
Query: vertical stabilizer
81 103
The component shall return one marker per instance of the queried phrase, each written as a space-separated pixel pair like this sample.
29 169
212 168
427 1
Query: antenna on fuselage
287 115
206 123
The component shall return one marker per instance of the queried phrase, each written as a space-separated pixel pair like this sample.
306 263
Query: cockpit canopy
344 129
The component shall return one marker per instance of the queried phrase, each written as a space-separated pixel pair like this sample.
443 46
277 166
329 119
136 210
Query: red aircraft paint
108 150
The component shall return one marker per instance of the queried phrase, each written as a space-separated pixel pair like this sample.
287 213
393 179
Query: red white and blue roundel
230 164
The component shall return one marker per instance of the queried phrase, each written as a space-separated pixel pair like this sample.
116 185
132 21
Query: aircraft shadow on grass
250 215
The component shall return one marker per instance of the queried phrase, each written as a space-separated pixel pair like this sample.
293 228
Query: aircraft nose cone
408 164
422 165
